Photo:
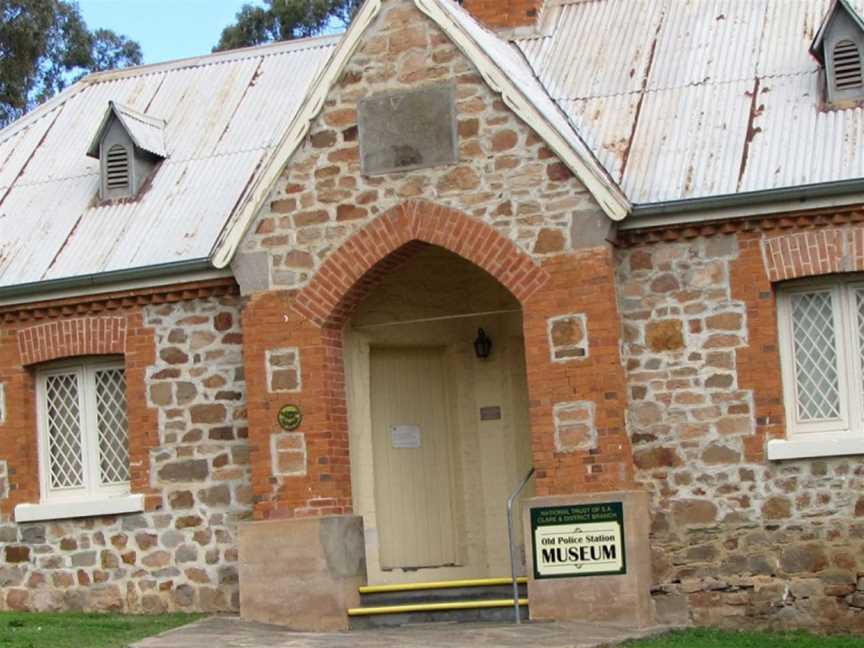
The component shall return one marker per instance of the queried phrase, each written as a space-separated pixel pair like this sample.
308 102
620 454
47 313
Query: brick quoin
582 281
505 13
312 319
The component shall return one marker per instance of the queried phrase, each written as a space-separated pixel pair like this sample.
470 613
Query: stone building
242 299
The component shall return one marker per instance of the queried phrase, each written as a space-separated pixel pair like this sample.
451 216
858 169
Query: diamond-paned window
84 429
63 423
822 355
816 379
111 425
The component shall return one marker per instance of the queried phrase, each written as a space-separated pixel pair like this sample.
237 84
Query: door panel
412 457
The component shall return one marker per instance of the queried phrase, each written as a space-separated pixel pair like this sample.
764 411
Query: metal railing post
510 501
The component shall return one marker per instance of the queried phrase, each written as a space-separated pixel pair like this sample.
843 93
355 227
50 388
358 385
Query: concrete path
225 632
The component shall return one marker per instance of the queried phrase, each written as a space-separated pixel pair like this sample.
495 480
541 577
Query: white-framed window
822 356
83 430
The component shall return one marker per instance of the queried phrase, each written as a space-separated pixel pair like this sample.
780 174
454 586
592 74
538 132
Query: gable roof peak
499 63
817 46
145 131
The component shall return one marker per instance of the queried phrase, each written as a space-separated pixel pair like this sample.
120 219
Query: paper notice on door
405 436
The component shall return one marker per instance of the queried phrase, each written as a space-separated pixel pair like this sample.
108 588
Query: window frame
849 425
92 488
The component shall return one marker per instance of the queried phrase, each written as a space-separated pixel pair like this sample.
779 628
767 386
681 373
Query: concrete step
442 595
486 600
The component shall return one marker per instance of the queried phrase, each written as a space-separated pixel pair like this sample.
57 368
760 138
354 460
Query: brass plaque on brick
401 131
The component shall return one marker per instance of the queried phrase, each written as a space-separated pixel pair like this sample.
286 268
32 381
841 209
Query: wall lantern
482 345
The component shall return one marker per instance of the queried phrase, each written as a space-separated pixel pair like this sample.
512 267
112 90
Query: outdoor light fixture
482 345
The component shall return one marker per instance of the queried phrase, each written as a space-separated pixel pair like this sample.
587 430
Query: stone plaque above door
401 131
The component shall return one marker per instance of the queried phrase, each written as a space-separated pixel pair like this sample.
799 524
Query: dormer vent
846 61
129 146
837 46
117 168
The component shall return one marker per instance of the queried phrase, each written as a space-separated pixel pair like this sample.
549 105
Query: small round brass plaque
290 417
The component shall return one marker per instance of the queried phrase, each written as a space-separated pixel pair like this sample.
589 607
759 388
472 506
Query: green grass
710 638
67 630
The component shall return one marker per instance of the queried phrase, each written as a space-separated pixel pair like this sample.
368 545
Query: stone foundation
302 573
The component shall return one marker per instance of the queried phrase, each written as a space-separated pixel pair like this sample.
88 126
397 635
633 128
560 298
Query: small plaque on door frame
490 413
405 436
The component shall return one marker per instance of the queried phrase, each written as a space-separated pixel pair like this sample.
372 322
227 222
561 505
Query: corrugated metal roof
223 114
695 98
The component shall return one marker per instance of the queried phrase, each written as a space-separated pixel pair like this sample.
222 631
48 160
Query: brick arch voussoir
813 252
72 337
352 270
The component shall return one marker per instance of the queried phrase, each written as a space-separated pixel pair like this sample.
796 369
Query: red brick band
72 337
352 270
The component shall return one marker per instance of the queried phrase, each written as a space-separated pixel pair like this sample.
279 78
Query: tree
45 45
285 19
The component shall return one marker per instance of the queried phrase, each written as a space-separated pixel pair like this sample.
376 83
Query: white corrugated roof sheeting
223 116
146 132
662 90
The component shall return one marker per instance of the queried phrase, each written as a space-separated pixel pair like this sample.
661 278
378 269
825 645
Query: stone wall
738 541
187 423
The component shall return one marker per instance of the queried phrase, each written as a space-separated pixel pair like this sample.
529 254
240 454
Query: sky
166 29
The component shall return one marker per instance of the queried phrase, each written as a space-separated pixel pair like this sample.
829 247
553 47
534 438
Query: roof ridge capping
214 58
816 47
39 112
147 132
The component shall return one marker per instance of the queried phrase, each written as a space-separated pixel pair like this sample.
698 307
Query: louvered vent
117 168
847 65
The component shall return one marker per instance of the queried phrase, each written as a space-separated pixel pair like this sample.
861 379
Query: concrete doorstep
229 631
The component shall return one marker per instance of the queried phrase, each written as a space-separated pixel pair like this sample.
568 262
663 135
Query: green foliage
712 638
285 19
39 630
44 45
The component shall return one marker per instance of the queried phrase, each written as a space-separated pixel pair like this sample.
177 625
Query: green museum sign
581 540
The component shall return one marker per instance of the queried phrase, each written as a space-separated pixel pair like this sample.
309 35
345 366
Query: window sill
77 509
780 449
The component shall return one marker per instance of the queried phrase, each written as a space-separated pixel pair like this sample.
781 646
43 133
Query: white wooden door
412 458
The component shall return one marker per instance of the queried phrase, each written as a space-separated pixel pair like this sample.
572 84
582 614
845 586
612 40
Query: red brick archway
311 321
352 270
308 325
